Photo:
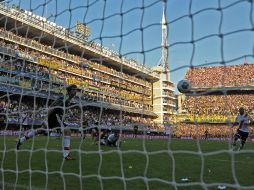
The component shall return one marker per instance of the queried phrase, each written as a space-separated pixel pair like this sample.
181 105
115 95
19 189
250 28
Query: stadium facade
39 58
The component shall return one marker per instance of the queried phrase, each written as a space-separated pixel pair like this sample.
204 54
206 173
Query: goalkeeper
55 117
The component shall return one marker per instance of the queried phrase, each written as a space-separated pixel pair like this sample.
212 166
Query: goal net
89 94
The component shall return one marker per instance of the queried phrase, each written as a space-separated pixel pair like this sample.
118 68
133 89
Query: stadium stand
197 130
223 90
221 76
19 112
33 69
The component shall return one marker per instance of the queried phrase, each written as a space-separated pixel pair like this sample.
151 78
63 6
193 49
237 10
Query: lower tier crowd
30 112
204 130
27 112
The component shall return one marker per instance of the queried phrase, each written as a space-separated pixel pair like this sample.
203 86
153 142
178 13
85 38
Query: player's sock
18 144
66 145
242 145
235 140
24 138
233 145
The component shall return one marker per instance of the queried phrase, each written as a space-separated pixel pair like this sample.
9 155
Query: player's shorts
110 143
243 135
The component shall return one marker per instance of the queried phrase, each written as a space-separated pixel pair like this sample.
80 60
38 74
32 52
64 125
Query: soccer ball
184 86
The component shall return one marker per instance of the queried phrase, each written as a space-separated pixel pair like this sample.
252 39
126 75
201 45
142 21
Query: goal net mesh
127 127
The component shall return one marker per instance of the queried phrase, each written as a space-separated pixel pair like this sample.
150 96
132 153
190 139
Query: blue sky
117 24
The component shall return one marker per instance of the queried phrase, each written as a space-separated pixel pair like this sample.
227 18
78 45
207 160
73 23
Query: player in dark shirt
56 115
206 134
83 129
2 118
135 131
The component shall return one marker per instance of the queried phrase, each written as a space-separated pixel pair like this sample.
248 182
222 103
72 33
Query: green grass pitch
138 165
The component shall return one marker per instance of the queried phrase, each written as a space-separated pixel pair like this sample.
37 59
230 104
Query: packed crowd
219 109
200 130
71 35
18 112
28 112
221 76
99 96
109 118
111 94
70 57
209 118
218 104
102 74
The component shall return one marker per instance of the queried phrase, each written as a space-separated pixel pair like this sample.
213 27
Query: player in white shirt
112 139
243 121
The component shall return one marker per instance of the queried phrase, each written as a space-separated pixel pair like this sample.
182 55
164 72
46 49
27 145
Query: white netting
126 127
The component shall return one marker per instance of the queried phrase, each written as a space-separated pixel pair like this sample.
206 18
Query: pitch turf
140 165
